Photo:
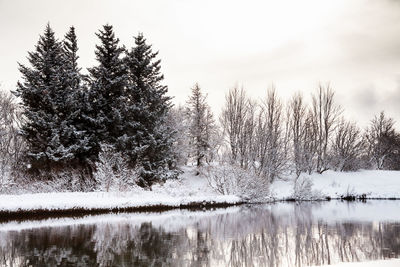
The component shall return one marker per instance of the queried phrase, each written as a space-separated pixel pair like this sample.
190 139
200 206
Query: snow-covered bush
65 180
302 189
112 171
71 180
228 179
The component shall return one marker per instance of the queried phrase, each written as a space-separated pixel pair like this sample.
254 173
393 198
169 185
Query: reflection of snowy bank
168 219
237 220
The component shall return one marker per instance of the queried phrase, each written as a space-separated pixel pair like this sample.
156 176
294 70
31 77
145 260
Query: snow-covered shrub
228 179
67 180
74 180
302 189
64 180
112 171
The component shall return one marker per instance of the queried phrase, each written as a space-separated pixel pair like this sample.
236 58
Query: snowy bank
368 183
381 263
194 191
189 191
106 201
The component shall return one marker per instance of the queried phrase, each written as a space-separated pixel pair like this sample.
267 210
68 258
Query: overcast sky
353 44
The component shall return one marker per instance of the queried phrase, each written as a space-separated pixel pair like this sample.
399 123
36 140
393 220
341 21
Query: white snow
191 188
381 263
375 184
173 193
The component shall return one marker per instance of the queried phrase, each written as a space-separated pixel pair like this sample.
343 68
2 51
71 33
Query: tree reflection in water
261 235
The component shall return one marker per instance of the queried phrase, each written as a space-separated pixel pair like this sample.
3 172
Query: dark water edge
279 234
40 214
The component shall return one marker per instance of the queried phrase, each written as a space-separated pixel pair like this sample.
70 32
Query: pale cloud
294 44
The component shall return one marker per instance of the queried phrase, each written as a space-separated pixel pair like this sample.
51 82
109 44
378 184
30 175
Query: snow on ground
374 184
194 189
382 263
188 189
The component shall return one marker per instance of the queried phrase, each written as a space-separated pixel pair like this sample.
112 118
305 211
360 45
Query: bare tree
233 120
347 146
178 121
213 135
12 145
309 144
297 124
269 136
380 137
325 116
303 131
247 142
201 125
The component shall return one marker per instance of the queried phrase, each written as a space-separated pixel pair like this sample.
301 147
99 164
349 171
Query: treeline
274 140
115 126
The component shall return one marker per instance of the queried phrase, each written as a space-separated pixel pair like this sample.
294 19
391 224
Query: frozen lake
281 234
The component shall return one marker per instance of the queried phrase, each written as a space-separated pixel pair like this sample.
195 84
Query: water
282 234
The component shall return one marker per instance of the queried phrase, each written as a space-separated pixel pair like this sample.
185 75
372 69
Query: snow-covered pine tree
107 85
147 139
46 92
76 101
201 125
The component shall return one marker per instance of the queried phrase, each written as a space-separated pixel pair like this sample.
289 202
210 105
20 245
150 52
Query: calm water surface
283 234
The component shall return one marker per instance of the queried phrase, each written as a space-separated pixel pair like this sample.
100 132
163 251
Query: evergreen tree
47 95
147 139
201 125
76 99
107 86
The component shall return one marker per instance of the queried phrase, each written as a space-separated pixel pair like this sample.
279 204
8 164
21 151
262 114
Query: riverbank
193 192
189 192
77 203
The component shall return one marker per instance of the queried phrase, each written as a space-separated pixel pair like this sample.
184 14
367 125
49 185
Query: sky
293 45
